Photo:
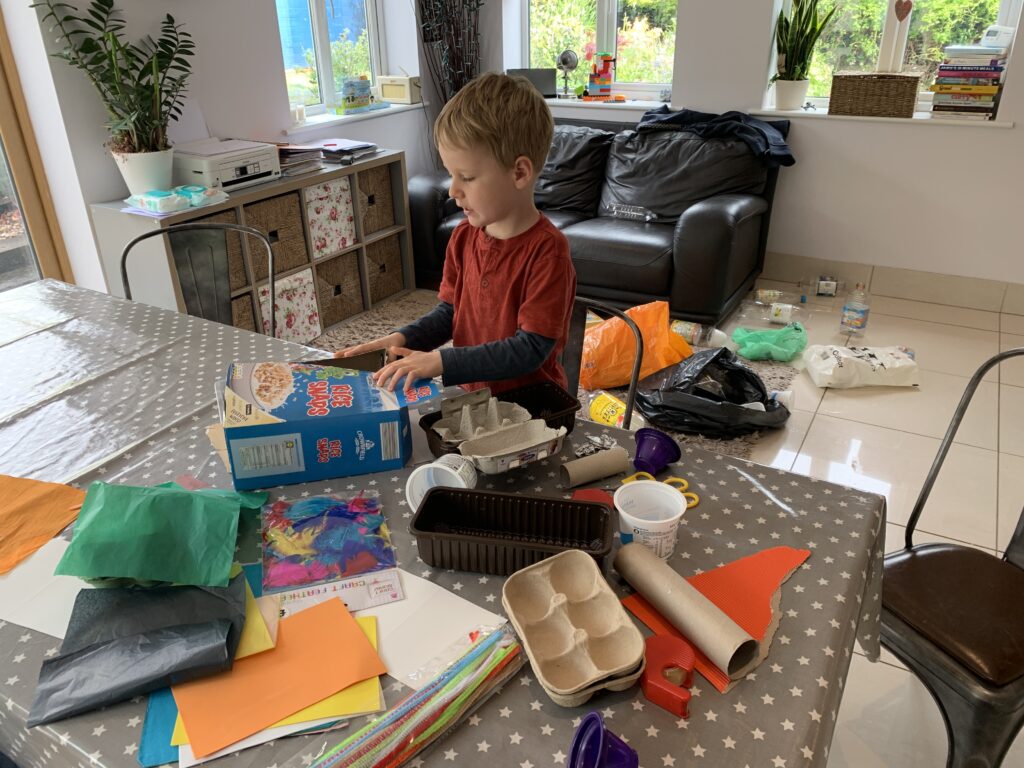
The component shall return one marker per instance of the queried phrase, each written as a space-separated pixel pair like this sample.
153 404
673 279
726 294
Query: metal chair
955 616
572 354
201 262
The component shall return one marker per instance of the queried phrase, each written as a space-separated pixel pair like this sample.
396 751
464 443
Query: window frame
607 29
892 48
329 98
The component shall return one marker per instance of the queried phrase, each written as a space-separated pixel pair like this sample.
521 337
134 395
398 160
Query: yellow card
359 699
255 634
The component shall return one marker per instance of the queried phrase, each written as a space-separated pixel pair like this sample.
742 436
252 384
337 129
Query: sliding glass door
18 262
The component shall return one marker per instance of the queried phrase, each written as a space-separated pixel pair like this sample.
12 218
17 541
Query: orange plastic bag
609 348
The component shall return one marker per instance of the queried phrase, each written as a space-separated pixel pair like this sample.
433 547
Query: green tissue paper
781 344
163 534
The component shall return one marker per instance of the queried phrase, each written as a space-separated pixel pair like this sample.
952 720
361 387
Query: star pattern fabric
139 417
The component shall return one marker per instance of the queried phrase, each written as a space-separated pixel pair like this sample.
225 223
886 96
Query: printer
228 164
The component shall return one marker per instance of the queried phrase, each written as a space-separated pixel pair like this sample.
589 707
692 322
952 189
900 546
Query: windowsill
327 120
919 118
628 104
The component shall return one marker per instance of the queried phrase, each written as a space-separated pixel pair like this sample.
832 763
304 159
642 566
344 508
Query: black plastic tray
499 533
545 400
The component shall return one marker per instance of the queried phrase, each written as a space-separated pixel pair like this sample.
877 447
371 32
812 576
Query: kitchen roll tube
703 623
614 461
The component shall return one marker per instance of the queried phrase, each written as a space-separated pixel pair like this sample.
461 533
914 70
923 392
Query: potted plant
142 84
795 38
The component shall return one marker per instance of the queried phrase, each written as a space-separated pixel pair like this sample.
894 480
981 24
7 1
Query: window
865 36
324 42
640 33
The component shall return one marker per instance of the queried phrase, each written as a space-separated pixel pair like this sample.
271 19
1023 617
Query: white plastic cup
649 513
449 471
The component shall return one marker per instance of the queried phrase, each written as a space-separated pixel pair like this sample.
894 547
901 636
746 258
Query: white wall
901 194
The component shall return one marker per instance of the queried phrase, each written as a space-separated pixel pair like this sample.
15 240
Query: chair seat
968 603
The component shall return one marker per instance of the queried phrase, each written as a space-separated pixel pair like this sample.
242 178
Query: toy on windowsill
356 97
601 78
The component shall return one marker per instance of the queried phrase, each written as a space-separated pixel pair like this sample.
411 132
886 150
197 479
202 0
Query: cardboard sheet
31 513
359 699
305 667
33 597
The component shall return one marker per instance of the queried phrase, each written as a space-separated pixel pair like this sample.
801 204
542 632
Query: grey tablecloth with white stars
101 388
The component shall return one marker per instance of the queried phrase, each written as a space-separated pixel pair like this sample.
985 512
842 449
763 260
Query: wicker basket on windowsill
874 94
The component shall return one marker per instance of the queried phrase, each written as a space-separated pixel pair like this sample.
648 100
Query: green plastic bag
156 535
782 344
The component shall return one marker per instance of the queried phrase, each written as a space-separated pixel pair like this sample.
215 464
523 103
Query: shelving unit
341 241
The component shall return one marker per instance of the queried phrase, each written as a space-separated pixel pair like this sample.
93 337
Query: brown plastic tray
499 533
545 400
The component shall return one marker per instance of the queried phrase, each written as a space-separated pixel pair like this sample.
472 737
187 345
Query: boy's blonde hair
503 114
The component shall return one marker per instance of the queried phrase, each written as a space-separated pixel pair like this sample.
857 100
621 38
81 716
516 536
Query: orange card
319 651
31 513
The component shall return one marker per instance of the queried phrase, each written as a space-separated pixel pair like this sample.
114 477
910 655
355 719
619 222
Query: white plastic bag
846 367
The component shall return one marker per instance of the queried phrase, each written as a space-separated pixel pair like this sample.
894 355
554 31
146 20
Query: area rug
394 313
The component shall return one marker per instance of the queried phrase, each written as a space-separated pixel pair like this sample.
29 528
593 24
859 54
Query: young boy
508 284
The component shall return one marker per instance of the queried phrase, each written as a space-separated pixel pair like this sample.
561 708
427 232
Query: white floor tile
896 534
933 313
1011 419
1011 497
887 718
1011 371
938 347
806 396
892 463
778 448
924 410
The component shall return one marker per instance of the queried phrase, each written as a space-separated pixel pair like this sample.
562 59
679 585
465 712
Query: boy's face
487 192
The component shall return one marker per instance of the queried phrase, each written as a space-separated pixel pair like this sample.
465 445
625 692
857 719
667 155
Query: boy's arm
504 359
430 331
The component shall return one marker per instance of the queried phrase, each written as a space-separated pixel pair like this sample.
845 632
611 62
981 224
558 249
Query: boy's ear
522 172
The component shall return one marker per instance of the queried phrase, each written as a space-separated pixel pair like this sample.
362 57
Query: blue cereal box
296 422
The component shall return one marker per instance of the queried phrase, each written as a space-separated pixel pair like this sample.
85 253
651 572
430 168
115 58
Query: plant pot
790 94
143 171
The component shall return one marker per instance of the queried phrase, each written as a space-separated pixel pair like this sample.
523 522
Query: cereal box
296 422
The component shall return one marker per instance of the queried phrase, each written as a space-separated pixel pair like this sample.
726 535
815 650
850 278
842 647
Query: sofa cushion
612 253
657 175
563 219
574 170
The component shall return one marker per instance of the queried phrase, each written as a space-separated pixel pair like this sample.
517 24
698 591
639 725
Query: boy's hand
411 365
384 342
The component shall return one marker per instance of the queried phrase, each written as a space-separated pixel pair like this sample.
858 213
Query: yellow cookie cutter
680 483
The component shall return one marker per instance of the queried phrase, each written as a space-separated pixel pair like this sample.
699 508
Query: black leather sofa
652 215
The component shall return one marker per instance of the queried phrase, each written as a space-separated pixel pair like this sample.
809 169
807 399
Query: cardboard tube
614 461
703 623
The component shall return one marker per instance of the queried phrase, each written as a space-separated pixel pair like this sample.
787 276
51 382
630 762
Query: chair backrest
572 354
201 263
1015 549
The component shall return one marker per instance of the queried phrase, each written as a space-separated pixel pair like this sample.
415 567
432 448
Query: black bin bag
705 394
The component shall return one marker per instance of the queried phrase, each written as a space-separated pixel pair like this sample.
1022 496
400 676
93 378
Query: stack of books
969 82
297 160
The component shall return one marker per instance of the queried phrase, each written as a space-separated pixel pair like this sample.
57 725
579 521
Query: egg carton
514 446
575 631
467 421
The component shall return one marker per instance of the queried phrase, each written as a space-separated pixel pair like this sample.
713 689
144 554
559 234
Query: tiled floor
883 440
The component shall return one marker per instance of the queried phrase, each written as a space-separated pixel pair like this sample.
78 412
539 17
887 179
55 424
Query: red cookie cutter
665 653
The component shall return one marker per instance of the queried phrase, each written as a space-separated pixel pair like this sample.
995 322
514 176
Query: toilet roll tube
703 623
614 461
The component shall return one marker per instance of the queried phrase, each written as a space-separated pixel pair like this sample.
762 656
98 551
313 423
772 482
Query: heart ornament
903 8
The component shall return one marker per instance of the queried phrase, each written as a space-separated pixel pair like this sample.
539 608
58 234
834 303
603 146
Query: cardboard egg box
477 414
575 631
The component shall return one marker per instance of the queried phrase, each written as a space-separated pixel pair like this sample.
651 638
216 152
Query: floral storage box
329 212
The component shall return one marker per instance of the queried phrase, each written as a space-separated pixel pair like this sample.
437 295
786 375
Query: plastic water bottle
855 311
700 335
604 408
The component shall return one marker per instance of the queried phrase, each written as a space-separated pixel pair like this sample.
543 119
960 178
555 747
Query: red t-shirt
498 286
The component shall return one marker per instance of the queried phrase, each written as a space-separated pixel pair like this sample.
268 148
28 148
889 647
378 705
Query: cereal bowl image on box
292 422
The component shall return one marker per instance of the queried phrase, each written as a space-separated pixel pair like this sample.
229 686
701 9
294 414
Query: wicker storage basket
384 268
375 202
241 313
873 94
280 219
338 288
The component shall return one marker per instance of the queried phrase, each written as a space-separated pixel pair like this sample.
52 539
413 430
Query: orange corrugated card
319 651
742 589
31 513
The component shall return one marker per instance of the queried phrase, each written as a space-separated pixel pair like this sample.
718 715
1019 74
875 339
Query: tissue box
295 422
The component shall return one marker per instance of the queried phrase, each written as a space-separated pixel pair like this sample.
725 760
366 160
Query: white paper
31 596
187 758
425 627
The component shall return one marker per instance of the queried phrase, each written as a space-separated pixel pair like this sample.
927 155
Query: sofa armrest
428 204
716 247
